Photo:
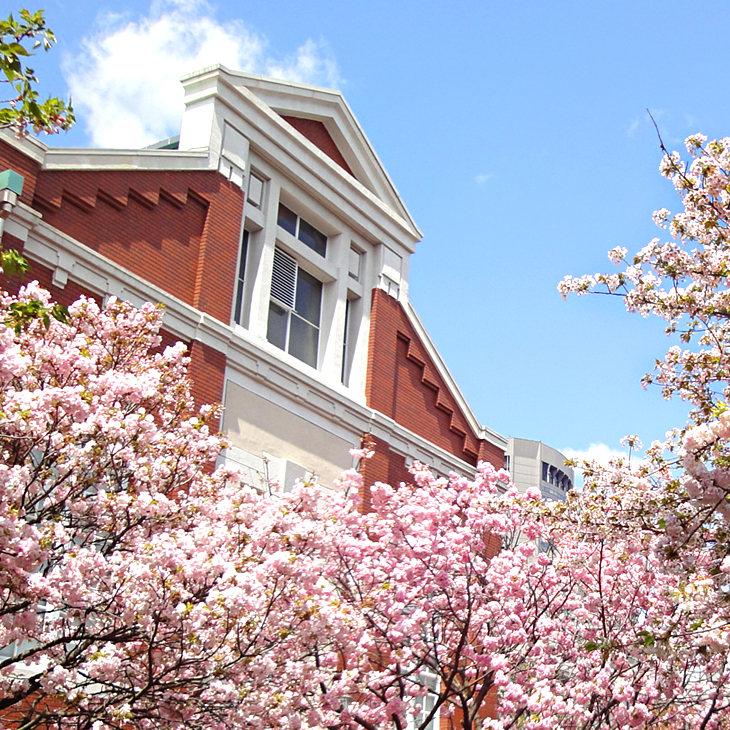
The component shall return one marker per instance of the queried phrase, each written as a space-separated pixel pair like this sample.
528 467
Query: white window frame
285 282
426 703
297 233
238 296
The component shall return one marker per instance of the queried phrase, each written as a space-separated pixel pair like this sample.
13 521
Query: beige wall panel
255 424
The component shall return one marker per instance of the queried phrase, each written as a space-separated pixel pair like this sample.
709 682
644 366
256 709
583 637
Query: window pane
343 372
238 311
276 332
424 705
309 297
313 238
303 339
255 190
287 219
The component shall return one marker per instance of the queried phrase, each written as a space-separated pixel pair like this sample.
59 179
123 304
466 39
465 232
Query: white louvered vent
284 278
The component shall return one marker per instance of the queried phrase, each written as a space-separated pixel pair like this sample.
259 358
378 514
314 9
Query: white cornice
82 158
331 408
29 146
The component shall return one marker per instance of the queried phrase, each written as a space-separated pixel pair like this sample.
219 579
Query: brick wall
492 454
180 230
207 372
385 466
488 709
13 159
318 135
404 384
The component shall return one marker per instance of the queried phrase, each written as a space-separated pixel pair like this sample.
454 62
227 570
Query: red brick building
280 249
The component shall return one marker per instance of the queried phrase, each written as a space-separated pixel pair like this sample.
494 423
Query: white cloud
482 177
691 121
633 128
125 80
311 64
595 452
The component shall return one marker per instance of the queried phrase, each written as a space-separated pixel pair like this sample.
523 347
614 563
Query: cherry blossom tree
624 619
497 610
684 280
140 590
680 493
137 589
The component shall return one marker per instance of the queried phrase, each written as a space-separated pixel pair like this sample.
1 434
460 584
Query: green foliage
24 108
21 314
647 638
13 263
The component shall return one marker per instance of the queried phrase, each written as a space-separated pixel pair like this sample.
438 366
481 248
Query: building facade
534 464
280 248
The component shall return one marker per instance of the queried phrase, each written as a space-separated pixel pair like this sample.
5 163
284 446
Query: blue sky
517 135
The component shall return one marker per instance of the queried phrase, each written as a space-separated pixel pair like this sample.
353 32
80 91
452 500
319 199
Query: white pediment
273 99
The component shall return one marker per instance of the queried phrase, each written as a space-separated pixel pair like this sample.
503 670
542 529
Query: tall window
426 704
294 309
305 232
345 343
238 306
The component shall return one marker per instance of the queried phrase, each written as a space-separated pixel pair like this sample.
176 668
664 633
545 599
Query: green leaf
648 637
18 40
60 313
13 263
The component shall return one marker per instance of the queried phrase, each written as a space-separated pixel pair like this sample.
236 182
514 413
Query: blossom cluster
677 502
137 588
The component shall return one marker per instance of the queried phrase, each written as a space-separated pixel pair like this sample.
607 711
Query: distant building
533 464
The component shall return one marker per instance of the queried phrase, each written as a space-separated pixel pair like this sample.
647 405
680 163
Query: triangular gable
318 135
328 107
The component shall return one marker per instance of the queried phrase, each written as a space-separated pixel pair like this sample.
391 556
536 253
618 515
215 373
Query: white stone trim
82 158
480 431
326 408
301 162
